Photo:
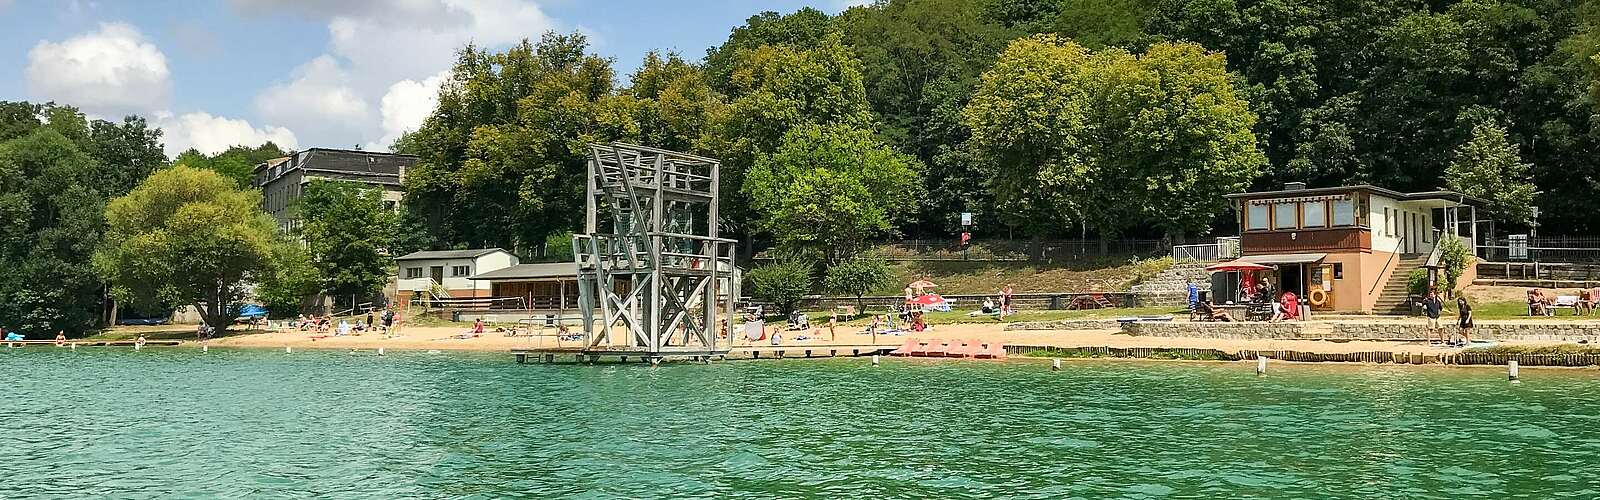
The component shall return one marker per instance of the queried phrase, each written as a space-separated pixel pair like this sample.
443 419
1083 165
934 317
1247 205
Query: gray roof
449 254
1426 195
543 270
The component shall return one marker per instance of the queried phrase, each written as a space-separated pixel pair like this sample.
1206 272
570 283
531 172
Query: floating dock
91 343
578 355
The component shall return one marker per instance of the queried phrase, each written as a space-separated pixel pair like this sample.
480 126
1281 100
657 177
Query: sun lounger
905 350
994 350
966 349
921 347
937 348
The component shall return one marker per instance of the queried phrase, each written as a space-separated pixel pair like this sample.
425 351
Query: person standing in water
1464 315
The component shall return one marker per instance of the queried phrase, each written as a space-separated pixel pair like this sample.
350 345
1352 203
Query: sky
311 73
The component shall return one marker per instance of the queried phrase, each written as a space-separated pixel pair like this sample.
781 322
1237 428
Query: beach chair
905 350
937 348
994 350
921 347
967 349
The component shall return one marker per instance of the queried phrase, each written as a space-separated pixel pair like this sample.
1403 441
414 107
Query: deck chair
906 349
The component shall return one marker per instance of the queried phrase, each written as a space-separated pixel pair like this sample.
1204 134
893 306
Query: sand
443 338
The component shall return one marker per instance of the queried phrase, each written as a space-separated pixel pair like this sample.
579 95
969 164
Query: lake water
260 423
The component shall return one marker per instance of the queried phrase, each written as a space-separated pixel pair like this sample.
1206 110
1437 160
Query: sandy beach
445 338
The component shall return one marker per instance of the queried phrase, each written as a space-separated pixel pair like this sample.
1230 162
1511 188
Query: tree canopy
188 236
349 235
237 162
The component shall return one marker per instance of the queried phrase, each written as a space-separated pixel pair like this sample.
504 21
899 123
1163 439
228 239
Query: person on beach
388 319
1432 306
61 338
1464 320
369 320
1005 301
832 323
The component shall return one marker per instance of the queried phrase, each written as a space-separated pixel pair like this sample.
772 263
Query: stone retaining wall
1350 330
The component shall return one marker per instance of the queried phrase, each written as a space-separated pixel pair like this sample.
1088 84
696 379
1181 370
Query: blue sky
309 73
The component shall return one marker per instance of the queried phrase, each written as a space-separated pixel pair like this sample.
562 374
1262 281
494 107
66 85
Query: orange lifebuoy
1318 297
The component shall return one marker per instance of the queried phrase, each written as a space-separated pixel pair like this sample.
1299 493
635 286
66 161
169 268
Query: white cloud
213 134
406 105
319 103
388 50
112 71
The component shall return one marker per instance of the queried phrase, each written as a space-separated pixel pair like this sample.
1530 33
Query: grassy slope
959 278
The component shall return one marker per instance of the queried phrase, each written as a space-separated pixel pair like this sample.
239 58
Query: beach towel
755 330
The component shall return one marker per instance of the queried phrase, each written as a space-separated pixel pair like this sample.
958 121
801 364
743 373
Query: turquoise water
258 423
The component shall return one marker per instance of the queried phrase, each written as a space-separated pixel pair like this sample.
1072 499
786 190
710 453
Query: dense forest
1045 117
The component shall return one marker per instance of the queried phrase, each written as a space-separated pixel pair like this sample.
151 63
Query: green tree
50 220
286 284
1487 166
801 28
187 236
783 283
1111 140
236 162
349 234
857 277
558 247
831 189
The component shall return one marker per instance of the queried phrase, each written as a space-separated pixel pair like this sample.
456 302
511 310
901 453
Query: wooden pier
576 355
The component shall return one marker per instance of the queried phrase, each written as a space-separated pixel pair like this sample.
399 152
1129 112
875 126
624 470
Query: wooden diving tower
655 284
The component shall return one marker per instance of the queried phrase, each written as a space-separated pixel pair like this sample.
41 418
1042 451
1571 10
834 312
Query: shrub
1454 256
1417 282
1143 270
856 277
782 283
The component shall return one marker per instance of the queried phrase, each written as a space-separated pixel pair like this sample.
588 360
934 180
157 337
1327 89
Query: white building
450 269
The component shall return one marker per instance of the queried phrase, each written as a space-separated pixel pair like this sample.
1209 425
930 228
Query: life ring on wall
1318 297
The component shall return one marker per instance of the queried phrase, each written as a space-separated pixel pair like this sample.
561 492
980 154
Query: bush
782 283
1454 256
1417 282
558 247
1144 269
856 277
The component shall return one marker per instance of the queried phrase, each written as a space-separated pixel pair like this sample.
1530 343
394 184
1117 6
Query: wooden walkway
571 355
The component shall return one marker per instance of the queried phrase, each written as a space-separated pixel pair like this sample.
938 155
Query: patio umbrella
921 284
1236 265
927 300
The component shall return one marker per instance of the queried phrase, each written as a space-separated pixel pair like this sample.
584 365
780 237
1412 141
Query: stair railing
1397 246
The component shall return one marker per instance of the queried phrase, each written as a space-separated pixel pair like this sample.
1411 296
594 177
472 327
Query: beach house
448 273
1346 248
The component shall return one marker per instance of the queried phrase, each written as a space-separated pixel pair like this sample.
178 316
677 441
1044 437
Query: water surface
259 423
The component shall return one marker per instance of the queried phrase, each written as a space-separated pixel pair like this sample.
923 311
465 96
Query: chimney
1294 186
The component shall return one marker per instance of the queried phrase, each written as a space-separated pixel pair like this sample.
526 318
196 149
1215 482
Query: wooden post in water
1511 370
874 360
288 350
380 351
1055 364
205 348
1261 365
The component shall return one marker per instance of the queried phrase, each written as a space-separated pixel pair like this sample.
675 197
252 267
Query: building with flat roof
283 180
449 273
1346 248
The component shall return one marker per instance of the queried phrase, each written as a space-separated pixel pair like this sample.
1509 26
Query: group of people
1286 307
1433 308
1542 302
322 324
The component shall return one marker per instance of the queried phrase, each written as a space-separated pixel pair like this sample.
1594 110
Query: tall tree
50 220
236 162
1111 140
1488 166
831 189
802 28
187 236
349 235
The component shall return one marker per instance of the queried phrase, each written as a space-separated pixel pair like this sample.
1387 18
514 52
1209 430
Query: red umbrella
921 284
927 300
1237 265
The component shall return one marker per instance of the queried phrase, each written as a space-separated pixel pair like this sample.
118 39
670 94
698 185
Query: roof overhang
1284 258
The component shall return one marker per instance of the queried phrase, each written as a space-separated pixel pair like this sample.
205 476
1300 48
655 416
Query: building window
460 270
388 205
1313 214
1344 213
1388 224
1283 216
413 272
1258 216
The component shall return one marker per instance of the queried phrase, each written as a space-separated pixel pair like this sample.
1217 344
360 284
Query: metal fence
1225 248
1546 249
